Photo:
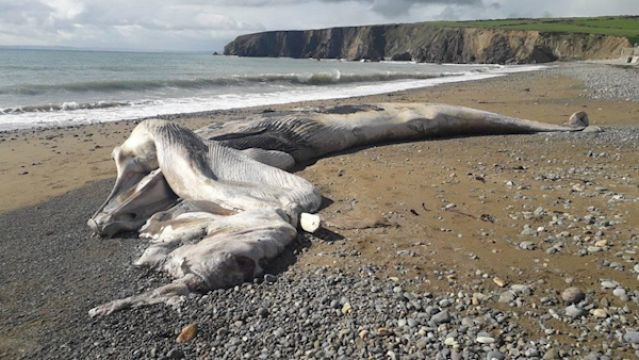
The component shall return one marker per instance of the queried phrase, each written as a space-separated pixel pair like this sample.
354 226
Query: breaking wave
65 107
102 101
323 78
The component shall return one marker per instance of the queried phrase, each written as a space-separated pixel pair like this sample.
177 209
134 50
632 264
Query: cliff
427 43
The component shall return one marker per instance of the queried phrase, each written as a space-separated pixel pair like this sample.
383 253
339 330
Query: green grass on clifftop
627 26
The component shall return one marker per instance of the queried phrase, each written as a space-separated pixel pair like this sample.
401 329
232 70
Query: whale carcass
217 203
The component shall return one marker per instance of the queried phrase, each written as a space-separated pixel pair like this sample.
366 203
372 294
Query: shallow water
53 87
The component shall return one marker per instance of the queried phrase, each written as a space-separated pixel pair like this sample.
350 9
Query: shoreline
47 162
342 91
541 213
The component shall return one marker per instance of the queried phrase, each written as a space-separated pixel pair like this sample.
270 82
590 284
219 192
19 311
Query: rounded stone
450 341
578 119
485 339
263 312
441 317
631 337
619 292
495 355
175 353
572 295
600 313
270 279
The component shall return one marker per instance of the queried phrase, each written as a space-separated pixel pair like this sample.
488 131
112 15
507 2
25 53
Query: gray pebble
441 317
263 312
506 297
619 292
270 279
631 337
551 354
485 339
495 355
609 284
574 311
527 245
592 356
175 353
521 289
572 295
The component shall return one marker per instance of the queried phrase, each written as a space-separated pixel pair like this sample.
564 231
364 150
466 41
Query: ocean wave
66 106
320 78
236 98
25 67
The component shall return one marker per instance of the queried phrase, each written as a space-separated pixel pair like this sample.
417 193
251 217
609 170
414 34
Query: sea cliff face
424 43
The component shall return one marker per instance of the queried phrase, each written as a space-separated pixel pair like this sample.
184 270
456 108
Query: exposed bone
310 222
237 208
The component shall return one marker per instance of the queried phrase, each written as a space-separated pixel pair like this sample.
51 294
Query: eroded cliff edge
424 43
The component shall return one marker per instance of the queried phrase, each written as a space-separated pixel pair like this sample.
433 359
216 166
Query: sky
207 25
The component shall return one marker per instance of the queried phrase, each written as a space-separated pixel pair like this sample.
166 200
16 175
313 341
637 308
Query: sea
49 88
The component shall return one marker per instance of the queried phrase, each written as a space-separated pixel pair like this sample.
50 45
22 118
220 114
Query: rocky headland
423 42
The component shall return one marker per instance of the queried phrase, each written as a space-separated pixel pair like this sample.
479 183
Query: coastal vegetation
627 26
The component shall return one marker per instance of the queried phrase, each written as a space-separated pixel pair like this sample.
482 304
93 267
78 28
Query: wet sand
458 213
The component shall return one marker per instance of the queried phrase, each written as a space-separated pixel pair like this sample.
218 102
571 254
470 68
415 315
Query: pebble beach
492 247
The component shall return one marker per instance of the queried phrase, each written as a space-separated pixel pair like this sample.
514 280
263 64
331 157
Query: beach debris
347 309
499 281
188 333
487 218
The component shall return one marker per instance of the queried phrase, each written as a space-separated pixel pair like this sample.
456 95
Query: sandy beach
508 222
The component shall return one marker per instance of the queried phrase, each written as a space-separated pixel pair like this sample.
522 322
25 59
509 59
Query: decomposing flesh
216 203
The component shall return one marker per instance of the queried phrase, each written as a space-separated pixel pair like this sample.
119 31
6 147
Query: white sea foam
72 113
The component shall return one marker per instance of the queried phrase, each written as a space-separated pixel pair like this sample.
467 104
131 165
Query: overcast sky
208 24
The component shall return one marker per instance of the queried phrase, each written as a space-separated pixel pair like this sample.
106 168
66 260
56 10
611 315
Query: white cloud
209 24
64 9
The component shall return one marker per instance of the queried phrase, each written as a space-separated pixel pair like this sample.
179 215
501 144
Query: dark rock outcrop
427 43
405 56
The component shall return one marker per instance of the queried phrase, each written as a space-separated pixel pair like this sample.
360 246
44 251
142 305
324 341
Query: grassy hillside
627 26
